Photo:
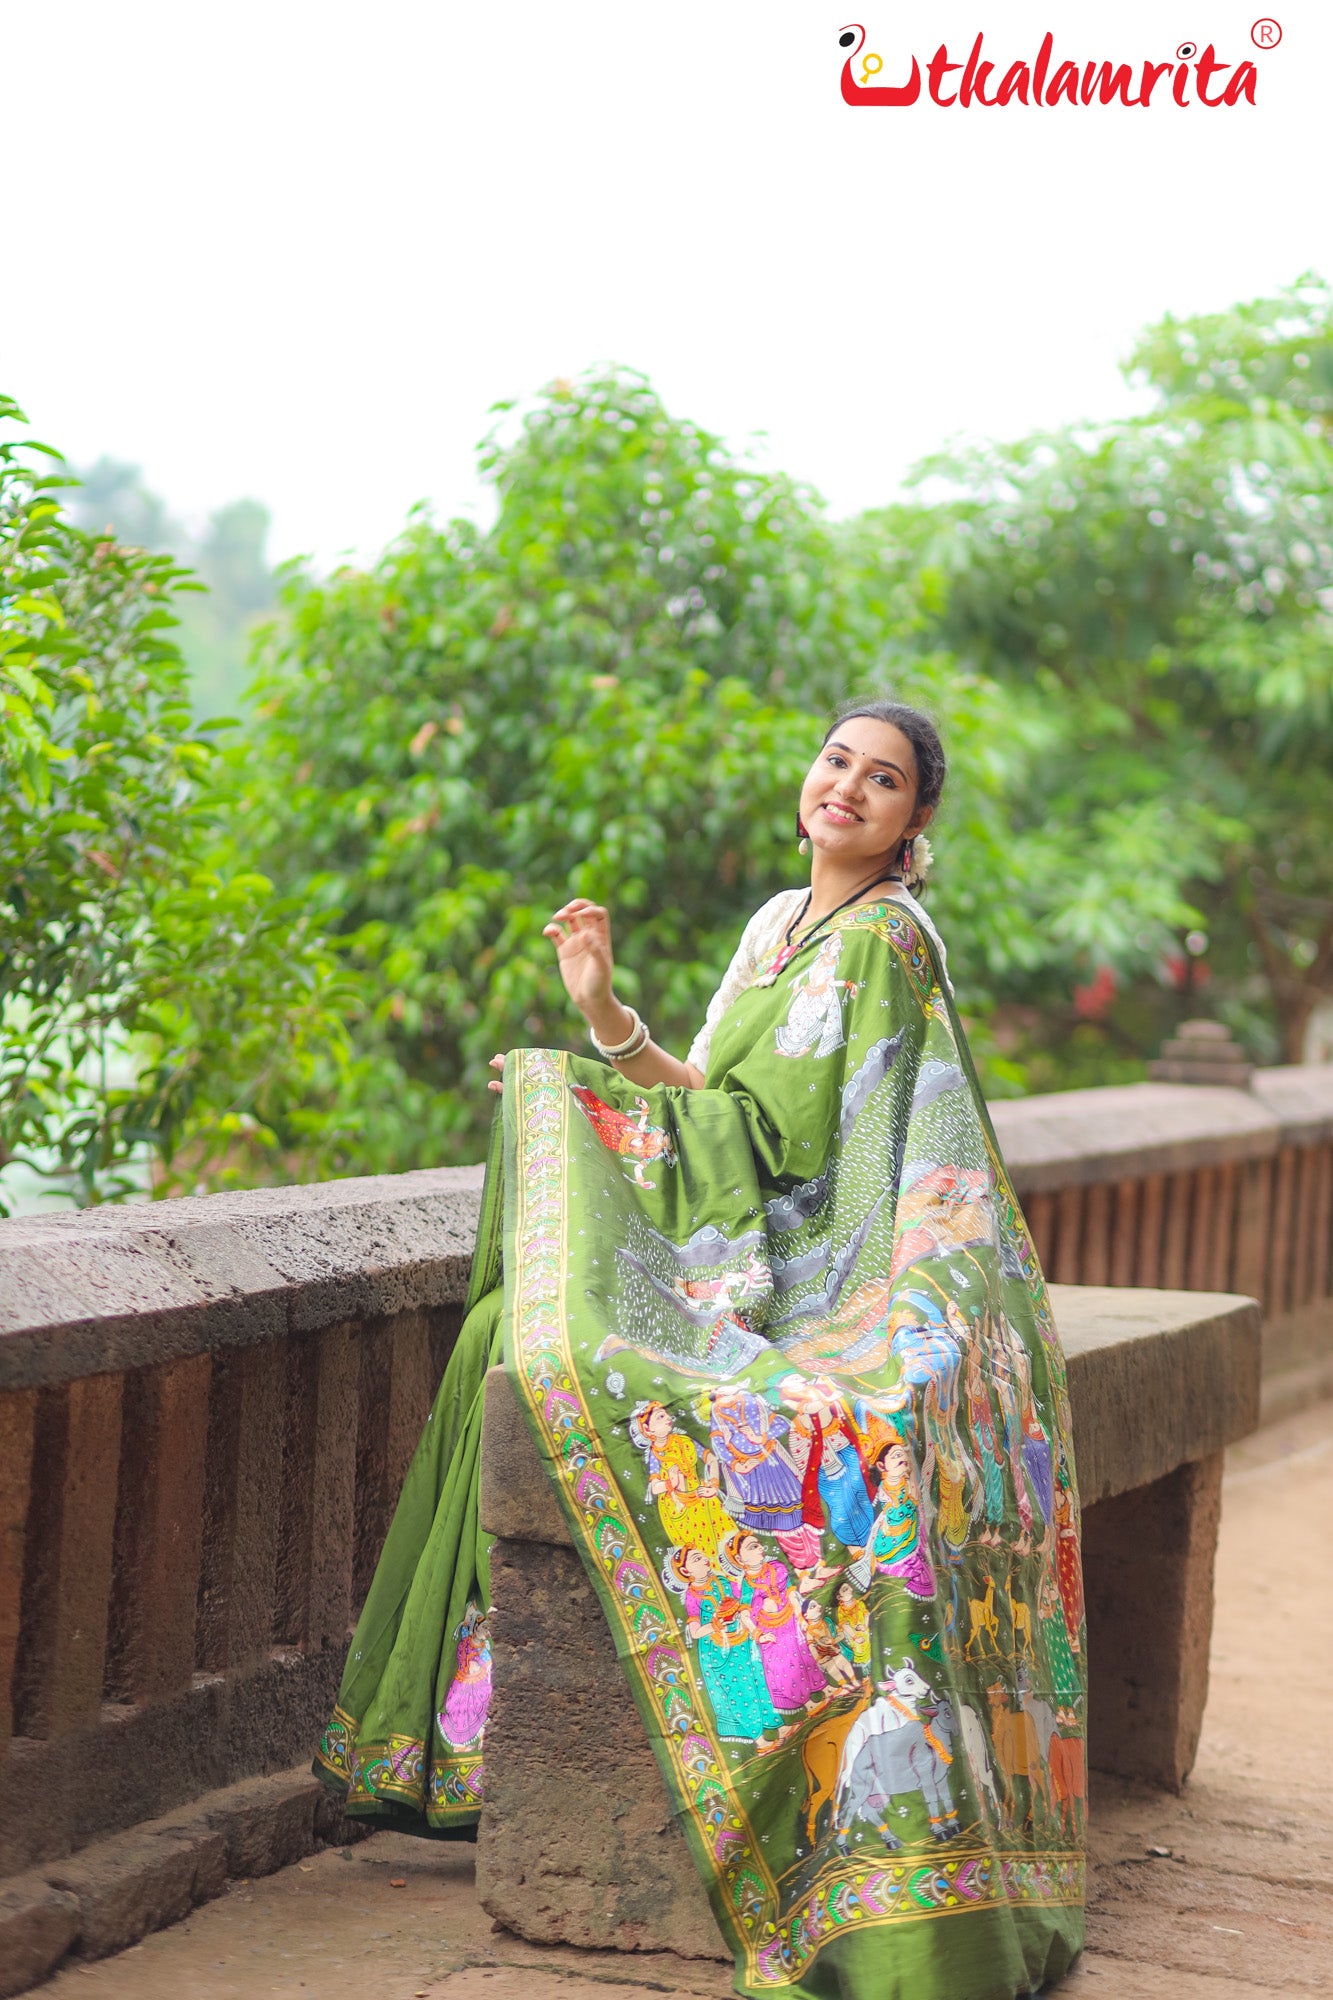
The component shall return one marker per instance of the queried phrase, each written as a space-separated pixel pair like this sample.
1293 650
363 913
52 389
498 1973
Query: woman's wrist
610 1021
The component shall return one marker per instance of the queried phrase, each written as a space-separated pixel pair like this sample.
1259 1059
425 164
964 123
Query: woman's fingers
497 1062
577 914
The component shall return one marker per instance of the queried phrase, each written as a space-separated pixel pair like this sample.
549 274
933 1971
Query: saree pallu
785 1350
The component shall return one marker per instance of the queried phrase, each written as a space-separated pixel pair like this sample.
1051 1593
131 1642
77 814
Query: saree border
776 1948
400 1771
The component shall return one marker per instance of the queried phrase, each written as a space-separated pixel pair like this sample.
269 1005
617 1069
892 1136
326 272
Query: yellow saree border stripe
665 1678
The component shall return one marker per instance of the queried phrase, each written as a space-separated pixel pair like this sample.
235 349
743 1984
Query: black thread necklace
789 950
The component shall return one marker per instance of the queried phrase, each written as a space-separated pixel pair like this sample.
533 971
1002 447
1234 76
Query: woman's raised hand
581 934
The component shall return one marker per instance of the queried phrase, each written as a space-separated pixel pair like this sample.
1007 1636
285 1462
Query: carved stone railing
207 1405
206 1410
1194 1187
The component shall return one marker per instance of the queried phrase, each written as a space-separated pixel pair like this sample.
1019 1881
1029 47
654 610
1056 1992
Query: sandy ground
1221 1894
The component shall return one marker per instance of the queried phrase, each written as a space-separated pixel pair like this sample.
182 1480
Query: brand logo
1193 76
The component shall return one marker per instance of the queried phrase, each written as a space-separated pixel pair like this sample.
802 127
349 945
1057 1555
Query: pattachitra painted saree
786 1351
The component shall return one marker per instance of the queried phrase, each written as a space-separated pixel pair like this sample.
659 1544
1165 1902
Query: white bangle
635 1042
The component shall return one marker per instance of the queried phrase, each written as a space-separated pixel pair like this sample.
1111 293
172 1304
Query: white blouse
759 942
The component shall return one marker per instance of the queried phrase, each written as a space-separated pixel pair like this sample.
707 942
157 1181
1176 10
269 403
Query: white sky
296 250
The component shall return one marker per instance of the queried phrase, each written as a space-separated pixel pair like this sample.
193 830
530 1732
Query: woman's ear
920 822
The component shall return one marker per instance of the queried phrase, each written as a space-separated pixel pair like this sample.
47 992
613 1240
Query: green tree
1165 588
613 692
229 559
160 1006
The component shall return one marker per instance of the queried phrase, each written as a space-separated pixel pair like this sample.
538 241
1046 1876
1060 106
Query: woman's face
896 1463
858 801
697 1567
657 1423
751 1553
846 1595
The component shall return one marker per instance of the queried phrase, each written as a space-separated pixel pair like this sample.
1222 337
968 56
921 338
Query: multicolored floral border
398 1771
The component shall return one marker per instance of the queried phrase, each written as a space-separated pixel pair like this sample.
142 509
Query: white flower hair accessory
922 862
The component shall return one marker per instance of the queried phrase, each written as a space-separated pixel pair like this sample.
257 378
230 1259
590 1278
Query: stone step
111 1894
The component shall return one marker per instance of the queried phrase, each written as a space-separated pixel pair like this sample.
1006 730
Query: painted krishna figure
785 1350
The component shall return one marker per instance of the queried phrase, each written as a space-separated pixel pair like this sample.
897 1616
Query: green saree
785 1350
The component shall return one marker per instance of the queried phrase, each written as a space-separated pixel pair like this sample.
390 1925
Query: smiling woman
738 1296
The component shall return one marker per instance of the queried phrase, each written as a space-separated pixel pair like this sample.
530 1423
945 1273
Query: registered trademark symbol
1265 34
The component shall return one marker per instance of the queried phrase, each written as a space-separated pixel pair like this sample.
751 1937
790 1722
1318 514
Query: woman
767 1592
831 1078
835 1483
724 1633
691 1512
463 1718
763 1485
898 1545
988 1499
822 1640
853 1624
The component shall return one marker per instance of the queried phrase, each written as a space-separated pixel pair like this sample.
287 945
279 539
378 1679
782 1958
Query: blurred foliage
1166 588
615 692
159 1003
228 558
307 944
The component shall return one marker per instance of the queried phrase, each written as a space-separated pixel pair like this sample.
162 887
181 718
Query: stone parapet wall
206 1410
207 1406
1194 1187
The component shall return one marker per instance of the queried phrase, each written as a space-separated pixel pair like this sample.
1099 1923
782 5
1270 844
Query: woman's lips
840 815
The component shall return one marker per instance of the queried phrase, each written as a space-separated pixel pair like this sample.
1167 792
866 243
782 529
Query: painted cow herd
867 1761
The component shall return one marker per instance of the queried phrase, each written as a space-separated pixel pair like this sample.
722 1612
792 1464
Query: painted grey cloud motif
933 1079
845 1261
789 1211
698 1311
866 1079
841 1266
708 1246
792 1271
729 1349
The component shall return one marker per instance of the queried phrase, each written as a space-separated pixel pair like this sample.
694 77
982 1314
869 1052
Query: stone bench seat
577 1843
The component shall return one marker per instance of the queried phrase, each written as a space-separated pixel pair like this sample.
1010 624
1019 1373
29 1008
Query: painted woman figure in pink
790 1669
462 1720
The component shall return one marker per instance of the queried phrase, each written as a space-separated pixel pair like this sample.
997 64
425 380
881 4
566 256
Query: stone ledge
38 1924
1156 1380
110 1895
1300 1097
1122 1132
93 1290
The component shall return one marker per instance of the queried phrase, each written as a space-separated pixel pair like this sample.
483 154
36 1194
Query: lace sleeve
757 937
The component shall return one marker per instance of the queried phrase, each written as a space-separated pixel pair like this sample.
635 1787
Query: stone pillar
577 1844
1148 1563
